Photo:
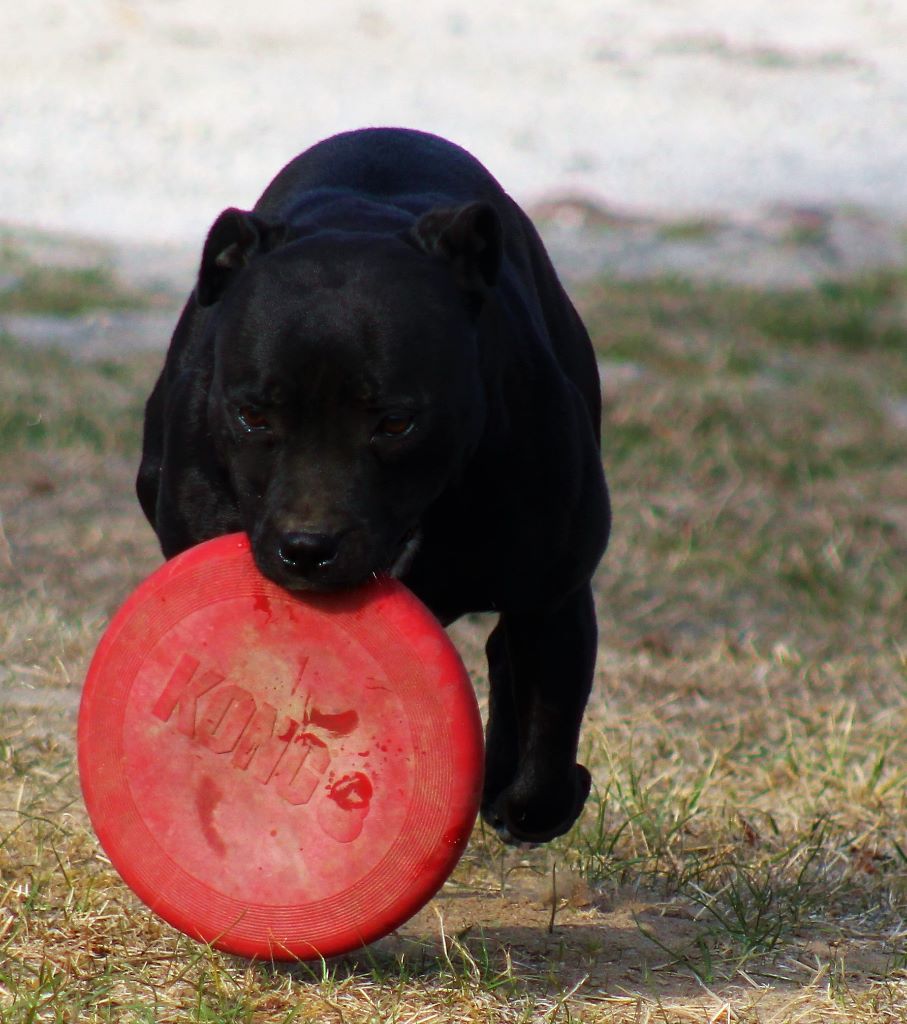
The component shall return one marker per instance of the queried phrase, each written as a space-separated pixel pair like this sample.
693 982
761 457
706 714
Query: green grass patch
56 291
756 466
50 401
675 316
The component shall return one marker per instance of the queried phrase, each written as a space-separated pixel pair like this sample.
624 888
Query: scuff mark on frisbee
207 797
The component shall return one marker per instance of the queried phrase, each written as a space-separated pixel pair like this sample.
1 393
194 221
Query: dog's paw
528 819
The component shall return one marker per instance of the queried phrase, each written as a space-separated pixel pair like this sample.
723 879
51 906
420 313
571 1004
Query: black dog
379 371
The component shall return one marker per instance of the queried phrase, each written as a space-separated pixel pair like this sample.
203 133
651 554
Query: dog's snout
306 552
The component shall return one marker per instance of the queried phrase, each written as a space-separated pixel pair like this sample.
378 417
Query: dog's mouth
343 570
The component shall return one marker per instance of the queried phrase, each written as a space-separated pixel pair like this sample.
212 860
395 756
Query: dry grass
743 858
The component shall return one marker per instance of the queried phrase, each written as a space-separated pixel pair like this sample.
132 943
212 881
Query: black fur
379 370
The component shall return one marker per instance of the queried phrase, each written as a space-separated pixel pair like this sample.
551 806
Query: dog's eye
252 418
395 425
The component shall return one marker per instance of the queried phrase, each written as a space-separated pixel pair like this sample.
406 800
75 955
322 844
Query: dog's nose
305 552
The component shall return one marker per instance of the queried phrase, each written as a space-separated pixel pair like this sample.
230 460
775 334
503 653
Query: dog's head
347 392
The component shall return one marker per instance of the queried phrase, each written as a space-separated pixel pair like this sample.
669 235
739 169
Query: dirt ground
741 858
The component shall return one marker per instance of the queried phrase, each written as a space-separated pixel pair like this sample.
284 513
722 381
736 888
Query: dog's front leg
540 667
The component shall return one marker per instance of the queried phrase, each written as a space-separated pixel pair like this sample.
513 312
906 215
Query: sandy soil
141 119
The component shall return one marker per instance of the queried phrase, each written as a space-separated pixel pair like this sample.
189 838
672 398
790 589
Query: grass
68 292
742 857
51 402
38 288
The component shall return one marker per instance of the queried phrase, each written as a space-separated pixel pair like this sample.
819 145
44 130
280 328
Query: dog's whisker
405 559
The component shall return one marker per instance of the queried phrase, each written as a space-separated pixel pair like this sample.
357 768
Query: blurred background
140 119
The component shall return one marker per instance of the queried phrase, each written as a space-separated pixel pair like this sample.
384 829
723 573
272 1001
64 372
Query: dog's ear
234 240
469 238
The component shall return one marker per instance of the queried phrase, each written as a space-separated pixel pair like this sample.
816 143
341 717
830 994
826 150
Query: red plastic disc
284 777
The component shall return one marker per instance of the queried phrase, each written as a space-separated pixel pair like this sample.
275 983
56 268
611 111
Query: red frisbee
282 776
